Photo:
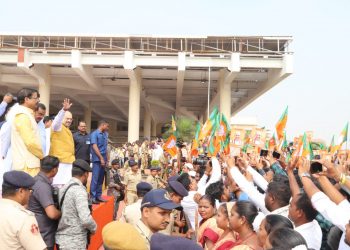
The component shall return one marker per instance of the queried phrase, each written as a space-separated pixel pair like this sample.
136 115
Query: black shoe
95 201
101 199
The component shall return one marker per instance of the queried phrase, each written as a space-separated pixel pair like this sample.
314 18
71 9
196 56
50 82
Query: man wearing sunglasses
18 226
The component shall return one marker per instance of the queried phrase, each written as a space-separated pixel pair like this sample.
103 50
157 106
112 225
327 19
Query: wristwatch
305 174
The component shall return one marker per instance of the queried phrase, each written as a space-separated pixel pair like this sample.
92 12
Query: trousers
98 173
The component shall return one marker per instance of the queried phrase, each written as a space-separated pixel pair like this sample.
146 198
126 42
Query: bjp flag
211 123
170 146
281 124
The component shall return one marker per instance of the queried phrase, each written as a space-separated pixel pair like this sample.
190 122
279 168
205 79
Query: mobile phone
317 157
315 167
264 152
276 155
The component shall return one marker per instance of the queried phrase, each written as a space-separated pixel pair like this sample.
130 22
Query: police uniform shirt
132 213
153 181
131 179
18 227
145 232
38 201
82 146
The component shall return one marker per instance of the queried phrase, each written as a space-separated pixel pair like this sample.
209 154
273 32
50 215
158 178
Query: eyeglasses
35 98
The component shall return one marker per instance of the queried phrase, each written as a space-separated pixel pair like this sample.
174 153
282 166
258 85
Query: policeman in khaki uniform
121 235
131 179
144 155
132 213
154 178
18 226
176 192
156 207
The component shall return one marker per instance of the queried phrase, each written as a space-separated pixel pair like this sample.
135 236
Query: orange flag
281 124
170 146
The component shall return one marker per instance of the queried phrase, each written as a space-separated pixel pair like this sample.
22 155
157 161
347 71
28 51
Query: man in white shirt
212 172
190 207
336 212
274 201
303 215
157 152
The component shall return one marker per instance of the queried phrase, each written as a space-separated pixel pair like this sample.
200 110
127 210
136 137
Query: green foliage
185 129
154 163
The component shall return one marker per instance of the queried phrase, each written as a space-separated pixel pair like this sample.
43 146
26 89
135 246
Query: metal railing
202 45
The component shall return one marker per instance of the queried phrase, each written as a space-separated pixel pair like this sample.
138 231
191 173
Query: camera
315 167
202 161
55 192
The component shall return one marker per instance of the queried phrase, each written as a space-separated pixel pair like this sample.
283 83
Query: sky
317 93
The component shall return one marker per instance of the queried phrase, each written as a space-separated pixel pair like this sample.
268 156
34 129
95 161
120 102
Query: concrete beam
74 96
149 60
117 105
41 73
147 105
188 113
83 71
159 102
274 77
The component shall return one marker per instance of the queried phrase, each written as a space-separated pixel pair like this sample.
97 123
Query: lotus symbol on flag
221 131
171 144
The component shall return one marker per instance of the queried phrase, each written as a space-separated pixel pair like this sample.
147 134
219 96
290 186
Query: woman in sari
228 237
208 231
242 217
271 223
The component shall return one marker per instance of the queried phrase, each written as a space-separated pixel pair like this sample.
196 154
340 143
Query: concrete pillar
134 110
225 98
44 91
87 117
154 129
147 125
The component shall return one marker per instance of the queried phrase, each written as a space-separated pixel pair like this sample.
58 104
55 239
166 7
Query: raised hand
292 164
66 104
303 165
8 98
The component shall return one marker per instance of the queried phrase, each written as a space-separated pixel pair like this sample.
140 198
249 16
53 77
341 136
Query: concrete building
138 82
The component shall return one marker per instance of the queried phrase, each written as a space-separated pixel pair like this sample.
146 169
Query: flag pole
208 93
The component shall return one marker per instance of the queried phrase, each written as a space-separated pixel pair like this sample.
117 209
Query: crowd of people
243 201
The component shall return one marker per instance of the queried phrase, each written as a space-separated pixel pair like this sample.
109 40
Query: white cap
189 166
192 173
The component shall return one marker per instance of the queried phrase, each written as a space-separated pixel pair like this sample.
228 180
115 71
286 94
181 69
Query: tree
185 129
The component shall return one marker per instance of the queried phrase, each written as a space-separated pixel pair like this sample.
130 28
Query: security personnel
156 207
154 178
76 222
144 155
42 201
176 193
18 226
131 179
119 235
132 213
